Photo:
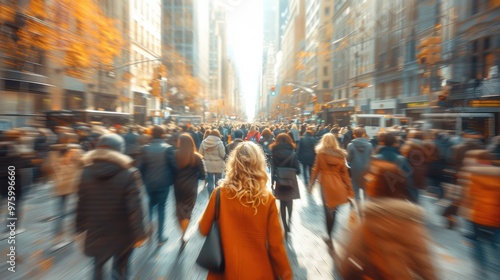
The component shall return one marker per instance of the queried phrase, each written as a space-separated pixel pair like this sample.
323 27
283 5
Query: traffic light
314 98
273 90
155 88
430 51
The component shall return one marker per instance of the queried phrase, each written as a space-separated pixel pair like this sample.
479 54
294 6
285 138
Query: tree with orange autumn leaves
188 87
75 34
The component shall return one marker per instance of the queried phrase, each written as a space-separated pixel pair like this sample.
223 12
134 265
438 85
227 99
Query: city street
38 259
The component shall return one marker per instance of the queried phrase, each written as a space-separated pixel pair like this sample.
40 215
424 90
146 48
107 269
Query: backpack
254 138
385 179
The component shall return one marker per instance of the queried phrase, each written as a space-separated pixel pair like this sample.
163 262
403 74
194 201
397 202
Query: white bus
456 123
374 123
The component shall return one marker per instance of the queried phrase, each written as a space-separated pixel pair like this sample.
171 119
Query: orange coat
333 177
253 244
484 194
390 243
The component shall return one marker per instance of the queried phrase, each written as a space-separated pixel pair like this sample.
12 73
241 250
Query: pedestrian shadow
177 271
299 272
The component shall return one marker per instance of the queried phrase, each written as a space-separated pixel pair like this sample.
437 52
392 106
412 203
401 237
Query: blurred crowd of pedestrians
112 170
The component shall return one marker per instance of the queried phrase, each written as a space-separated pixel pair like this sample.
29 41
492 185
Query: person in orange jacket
482 194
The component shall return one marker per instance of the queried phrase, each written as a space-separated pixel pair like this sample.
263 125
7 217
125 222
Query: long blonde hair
327 143
246 175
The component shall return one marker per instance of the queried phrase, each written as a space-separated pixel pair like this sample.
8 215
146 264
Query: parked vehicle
72 117
374 123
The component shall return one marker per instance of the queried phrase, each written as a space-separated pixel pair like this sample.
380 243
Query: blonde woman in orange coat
331 170
252 239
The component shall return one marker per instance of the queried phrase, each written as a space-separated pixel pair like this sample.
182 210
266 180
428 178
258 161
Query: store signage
417 104
484 103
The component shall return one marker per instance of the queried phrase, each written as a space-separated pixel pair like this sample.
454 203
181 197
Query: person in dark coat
390 152
238 138
132 145
348 137
190 168
11 163
283 155
158 170
306 153
109 206
266 140
194 135
359 152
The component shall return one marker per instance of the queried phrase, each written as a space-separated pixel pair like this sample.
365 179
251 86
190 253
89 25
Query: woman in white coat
214 153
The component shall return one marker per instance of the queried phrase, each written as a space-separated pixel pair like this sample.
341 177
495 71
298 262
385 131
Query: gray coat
358 157
214 153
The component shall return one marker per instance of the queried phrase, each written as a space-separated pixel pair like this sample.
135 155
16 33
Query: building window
327 11
326 84
325 71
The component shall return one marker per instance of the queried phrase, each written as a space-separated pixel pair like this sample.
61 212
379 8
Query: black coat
280 155
109 204
158 167
196 138
186 187
306 152
10 158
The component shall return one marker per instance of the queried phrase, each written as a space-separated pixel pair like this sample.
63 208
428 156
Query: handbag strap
217 205
288 159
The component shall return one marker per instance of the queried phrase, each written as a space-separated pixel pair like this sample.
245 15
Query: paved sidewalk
307 251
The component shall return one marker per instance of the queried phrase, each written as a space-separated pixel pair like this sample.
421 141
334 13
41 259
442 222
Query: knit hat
112 142
238 134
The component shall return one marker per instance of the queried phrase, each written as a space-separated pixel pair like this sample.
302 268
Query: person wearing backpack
359 153
266 140
390 174
253 135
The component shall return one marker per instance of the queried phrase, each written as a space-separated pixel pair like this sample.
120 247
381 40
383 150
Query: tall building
271 29
25 85
106 88
362 55
217 52
471 48
324 37
233 101
57 85
310 60
340 49
202 44
268 84
390 49
145 49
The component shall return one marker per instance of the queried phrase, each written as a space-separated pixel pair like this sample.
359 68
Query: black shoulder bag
287 176
211 255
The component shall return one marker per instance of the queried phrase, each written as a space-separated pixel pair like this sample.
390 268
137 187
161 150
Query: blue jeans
61 213
307 169
482 238
212 180
158 198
